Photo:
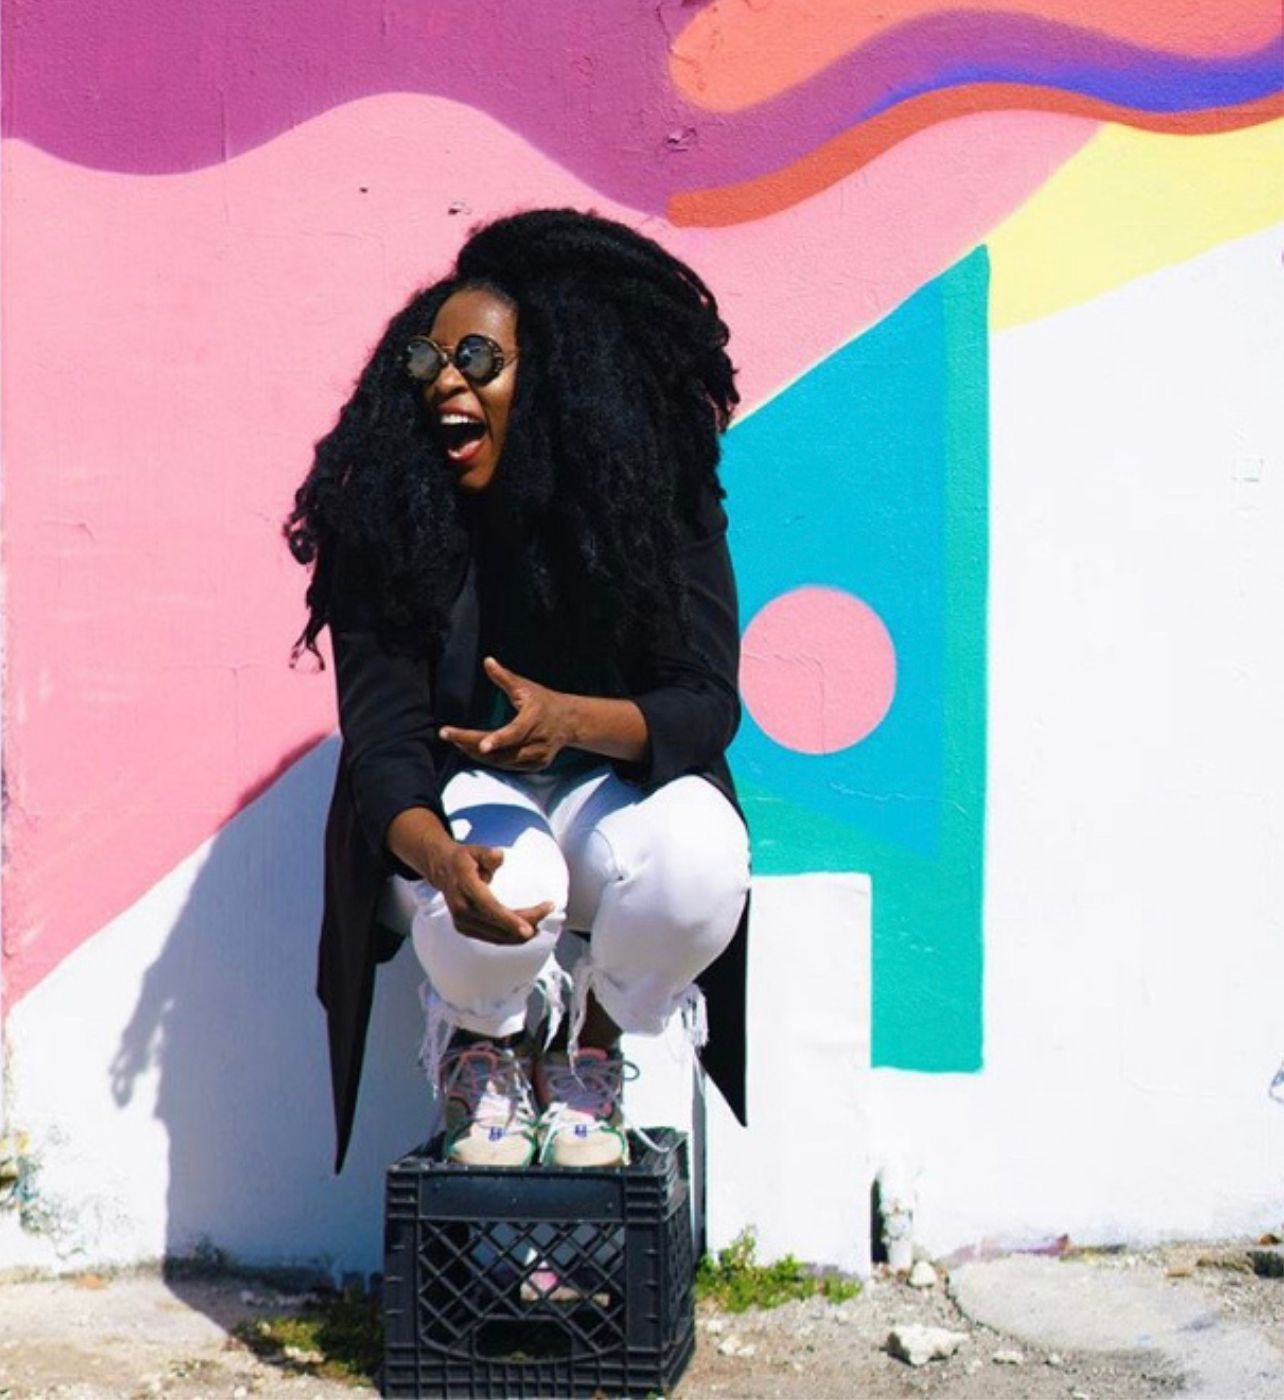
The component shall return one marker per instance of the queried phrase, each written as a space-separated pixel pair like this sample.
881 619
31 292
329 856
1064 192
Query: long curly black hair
623 388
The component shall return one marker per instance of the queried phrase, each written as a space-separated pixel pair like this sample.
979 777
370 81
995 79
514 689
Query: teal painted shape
870 474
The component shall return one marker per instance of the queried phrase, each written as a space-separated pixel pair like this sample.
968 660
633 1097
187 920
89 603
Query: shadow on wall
228 1022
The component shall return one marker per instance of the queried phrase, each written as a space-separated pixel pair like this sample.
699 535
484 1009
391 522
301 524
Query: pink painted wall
210 211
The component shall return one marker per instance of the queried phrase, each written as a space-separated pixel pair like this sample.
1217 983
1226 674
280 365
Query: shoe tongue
593 1054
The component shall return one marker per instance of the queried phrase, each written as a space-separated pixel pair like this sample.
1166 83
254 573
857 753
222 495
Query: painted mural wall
1005 489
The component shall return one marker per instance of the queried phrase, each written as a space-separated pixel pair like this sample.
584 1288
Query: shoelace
590 1088
493 1083
587 1086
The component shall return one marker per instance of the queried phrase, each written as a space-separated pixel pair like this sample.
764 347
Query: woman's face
473 449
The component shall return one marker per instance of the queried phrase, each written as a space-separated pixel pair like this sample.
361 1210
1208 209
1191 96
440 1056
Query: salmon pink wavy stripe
222 315
155 87
732 55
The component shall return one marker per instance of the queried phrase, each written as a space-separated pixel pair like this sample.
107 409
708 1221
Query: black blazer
391 759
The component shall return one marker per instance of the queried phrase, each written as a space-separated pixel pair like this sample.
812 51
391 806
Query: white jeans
657 879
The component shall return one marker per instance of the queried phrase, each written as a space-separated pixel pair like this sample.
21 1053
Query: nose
448 384
449 380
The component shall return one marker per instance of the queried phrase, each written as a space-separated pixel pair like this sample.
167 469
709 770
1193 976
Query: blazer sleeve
692 710
386 720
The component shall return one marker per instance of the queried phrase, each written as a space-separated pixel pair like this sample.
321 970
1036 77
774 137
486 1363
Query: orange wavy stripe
723 205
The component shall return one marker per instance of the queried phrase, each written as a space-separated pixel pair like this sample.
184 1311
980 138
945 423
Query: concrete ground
1188 1319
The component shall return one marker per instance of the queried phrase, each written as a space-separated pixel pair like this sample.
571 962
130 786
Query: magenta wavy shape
154 87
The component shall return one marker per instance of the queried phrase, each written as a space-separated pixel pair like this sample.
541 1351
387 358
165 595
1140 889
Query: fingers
520 758
470 927
481 746
476 910
467 741
485 933
514 733
462 738
483 917
508 681
489 859
478 742
536 912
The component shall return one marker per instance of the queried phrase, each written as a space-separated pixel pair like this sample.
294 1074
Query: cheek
501 409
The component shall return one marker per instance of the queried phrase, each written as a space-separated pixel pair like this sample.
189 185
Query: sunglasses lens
423 360
476 359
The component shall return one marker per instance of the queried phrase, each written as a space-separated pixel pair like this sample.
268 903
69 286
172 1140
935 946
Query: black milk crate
541 1281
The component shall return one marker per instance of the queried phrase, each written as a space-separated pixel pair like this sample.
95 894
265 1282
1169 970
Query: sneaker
582 1124
490 1115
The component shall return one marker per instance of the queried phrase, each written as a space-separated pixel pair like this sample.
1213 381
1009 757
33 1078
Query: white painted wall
808 1010
800 1172
172 1071
1134 910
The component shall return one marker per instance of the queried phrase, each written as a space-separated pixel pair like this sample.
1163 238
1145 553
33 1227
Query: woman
519 551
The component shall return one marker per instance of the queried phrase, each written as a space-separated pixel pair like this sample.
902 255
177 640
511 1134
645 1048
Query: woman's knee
686 860
473 976
533 872
487 810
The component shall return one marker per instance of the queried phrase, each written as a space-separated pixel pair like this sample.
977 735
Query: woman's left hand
542 727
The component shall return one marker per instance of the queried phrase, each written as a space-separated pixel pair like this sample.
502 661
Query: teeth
457 418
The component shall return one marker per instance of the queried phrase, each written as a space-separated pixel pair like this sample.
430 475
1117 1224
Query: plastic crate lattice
539 1282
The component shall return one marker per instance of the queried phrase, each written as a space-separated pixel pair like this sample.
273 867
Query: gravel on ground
135 1336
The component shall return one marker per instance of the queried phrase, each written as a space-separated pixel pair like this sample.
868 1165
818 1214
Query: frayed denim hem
441 1020
587 977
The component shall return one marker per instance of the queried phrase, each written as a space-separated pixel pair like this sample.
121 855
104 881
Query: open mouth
461 435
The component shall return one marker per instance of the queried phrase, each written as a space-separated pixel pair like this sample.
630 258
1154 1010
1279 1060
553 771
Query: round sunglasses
477 357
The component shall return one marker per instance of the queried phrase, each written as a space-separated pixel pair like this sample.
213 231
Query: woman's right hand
419 839
463 874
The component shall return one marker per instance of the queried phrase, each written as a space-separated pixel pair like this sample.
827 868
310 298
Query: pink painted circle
817 669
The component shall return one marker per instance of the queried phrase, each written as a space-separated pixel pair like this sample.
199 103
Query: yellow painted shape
1130 202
